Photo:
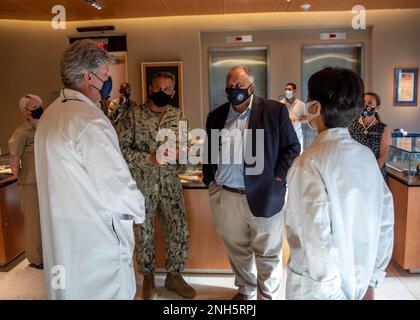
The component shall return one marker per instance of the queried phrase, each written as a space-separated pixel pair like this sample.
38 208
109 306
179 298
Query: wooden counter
206 253
406 193
11 222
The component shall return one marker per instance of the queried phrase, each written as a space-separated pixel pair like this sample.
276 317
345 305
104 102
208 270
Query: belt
236 190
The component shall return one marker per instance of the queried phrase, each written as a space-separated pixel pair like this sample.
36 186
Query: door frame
247 48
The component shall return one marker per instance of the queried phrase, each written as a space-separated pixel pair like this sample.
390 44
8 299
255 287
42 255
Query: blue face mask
288 94
106 87
237 96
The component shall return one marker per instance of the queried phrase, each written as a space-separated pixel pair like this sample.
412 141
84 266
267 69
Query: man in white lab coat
339 218
88 199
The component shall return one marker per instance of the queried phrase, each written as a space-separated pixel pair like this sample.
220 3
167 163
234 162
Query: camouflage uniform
161 187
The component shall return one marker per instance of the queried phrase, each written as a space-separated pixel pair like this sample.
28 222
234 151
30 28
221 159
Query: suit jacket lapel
255 119
255 122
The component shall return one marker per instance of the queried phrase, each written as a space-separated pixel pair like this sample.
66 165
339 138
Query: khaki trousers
248 239
28 194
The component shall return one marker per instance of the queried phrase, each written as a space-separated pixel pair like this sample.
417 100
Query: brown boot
149 287
175 282
240 296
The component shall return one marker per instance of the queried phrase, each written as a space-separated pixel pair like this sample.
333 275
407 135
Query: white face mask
288 94
311 116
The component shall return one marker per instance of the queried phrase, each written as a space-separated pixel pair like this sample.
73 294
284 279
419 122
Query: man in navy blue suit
250 146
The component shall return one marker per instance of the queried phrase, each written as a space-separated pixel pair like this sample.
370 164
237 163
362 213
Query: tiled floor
23 282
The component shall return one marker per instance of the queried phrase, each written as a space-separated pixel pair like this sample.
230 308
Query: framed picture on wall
149 69
405 86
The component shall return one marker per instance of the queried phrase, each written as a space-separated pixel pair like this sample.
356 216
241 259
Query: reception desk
11 221
406 193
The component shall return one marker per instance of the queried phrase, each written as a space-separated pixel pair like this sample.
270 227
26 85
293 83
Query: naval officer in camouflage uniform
158 181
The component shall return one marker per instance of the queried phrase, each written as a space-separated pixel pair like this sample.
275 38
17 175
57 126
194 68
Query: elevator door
316 57
223 59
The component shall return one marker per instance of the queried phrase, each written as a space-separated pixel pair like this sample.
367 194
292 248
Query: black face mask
368 112
37 113
160 98
237 96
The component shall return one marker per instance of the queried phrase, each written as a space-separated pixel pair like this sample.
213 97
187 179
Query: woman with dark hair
339 215
370 131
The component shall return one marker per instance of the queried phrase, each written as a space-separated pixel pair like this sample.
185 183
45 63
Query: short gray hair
246 69
164 75
80 57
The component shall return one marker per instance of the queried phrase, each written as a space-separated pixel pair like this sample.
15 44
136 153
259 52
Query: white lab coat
88 201
339 220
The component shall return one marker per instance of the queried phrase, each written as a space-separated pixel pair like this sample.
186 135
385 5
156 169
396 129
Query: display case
404 183
5 171
404 160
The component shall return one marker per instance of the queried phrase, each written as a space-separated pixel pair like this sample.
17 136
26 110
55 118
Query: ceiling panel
132 8
318 5
188 7
113 9
244 6
384 4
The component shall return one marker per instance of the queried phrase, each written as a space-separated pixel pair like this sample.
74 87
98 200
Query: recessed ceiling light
305 7
95 4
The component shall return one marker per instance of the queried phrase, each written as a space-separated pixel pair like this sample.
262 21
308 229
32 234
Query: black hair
340 92
291 84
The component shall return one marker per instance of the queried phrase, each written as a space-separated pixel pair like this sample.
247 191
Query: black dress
370 137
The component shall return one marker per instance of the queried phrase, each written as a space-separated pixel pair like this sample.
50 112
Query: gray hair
80 57
164 75
246 69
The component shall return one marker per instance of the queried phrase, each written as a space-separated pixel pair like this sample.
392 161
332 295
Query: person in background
247 204
157 176
22 163
119 106
339 216
296 110
370 131
87 197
